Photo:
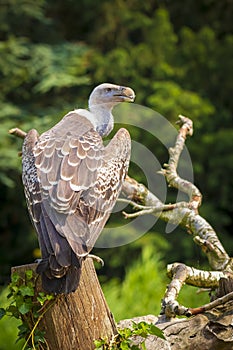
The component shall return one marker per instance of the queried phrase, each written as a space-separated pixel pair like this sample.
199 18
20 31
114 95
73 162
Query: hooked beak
125 94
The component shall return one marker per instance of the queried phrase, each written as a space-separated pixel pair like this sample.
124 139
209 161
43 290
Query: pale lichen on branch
184 214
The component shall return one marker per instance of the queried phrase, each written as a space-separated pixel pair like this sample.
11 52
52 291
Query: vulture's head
111 95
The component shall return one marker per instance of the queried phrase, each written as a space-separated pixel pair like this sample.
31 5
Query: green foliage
8 326
30 71
143 287
193 297
179 99
145 56
202 53
15 9
59 66
27 307
143 278
123 340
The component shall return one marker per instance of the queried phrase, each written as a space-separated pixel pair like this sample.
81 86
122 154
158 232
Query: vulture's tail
68 283
60 267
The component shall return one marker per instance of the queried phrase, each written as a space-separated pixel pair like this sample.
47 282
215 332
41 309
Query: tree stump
76 319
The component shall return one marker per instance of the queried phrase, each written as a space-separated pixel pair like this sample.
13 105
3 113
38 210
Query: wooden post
76 319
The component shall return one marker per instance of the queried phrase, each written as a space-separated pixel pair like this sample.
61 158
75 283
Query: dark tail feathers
65 284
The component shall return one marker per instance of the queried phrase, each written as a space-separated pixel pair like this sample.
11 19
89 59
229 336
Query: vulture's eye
108 89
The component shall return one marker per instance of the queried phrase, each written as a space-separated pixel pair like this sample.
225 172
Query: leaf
125 332
15 278
124 345
29 274
143 329
26 291
13 311
14 289
143 345
23 330
156 331
39 338
25 307
100 344
42 297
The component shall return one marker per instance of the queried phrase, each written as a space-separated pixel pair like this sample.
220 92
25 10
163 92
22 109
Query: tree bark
76 319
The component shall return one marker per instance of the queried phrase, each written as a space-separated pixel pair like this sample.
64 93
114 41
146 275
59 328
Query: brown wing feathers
71 183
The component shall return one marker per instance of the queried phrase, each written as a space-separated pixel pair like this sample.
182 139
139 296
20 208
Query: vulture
71 182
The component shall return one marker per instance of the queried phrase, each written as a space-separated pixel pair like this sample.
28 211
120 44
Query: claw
96 258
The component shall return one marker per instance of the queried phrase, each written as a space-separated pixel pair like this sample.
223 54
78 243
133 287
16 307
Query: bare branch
186 216
213 304
17 132
133 204
170 169
181 274
144 210
137 213
181 214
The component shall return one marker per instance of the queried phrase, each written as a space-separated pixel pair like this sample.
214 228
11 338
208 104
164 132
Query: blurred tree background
177 56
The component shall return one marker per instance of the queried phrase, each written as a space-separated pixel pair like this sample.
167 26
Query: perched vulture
72 181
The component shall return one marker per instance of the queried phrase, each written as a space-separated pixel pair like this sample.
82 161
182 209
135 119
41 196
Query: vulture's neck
103 118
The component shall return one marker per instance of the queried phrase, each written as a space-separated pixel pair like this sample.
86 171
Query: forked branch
186 215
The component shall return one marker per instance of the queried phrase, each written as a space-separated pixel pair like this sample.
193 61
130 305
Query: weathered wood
211 330
76 319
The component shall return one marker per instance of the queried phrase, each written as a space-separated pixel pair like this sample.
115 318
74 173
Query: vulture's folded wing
80 179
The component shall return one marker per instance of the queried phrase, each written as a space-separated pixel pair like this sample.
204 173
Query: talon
96 258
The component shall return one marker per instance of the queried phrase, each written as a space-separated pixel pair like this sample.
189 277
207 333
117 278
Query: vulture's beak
125 94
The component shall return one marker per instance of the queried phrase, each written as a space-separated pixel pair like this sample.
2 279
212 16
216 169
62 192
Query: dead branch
181 274
186 215
170 169
18 132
